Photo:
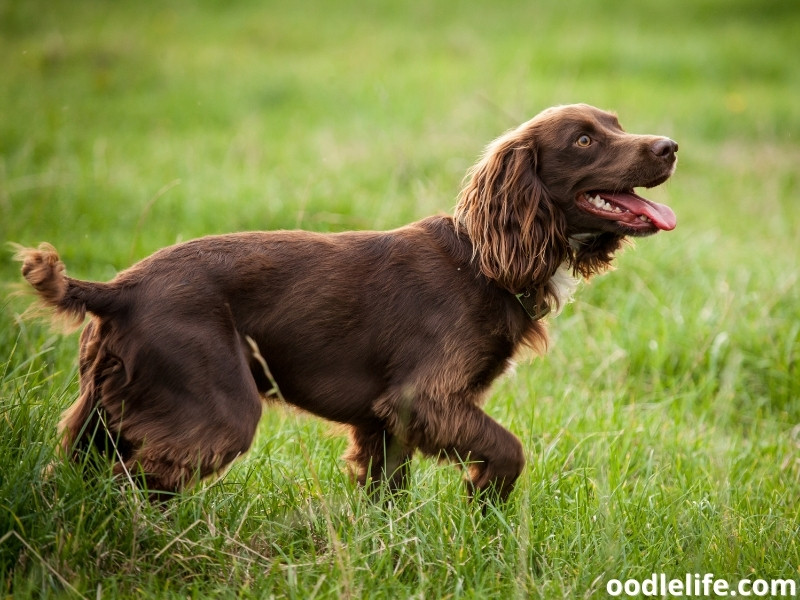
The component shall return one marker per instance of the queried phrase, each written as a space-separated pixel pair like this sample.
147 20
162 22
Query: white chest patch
562 285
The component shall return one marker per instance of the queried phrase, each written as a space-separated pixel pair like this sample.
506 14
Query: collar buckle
533 310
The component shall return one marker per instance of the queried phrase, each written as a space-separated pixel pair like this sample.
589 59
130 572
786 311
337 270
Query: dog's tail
71 298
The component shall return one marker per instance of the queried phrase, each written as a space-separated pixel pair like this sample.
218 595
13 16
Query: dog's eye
584 141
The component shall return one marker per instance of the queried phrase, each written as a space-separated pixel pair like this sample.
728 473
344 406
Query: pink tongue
660 214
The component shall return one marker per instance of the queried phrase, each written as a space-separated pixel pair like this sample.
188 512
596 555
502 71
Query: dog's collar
534 310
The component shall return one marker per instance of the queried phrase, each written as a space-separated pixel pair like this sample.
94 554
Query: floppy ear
518 233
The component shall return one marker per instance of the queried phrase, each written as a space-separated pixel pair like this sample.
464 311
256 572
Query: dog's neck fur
562 284
559 289
562 287
579 239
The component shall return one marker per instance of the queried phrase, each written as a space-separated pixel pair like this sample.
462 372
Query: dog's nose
664 147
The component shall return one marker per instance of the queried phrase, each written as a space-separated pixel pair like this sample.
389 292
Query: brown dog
396 334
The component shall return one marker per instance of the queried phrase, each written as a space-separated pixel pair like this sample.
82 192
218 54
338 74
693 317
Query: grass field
662 430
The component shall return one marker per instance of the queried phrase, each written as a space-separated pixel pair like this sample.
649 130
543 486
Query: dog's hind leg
84 425
184 403
201 422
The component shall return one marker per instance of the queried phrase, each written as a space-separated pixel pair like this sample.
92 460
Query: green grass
663 428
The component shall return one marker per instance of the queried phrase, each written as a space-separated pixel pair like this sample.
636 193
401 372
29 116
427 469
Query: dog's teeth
644 218
602 204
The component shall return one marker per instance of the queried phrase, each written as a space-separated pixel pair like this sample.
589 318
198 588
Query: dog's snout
664 147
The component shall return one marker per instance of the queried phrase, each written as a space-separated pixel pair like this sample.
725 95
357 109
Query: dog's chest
562 285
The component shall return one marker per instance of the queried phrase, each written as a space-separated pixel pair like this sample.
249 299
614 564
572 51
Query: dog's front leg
378 456
463 432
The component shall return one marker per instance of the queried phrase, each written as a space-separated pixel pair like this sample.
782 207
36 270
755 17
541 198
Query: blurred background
126 126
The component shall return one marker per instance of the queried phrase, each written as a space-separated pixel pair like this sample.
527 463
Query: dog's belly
321 383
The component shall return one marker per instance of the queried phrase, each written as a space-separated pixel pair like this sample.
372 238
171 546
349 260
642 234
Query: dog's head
590 166
561 188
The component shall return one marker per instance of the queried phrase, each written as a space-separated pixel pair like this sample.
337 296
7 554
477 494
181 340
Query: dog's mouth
629 210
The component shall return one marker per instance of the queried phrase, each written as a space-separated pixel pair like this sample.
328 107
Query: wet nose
664 147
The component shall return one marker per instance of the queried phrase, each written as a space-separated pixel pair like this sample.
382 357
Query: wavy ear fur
518 234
